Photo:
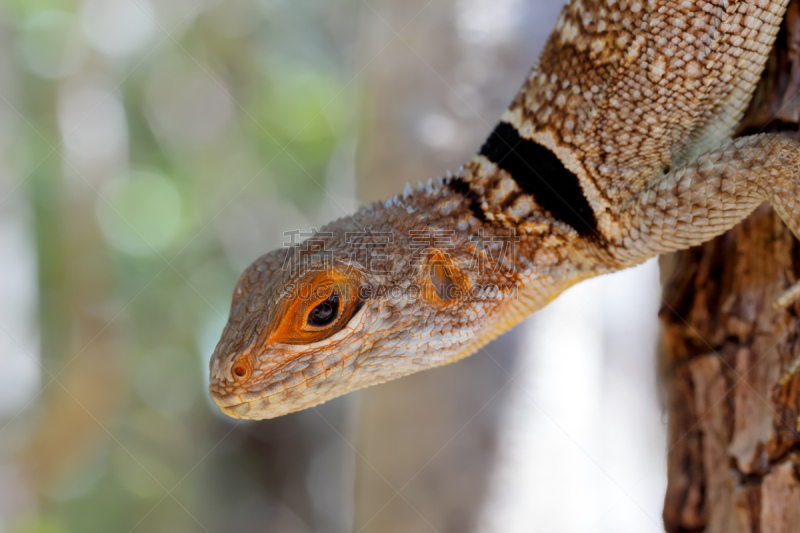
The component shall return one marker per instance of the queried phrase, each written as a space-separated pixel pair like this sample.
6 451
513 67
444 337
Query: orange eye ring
320 306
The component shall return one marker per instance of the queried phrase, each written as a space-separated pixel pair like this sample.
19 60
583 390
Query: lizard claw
787 297
790 372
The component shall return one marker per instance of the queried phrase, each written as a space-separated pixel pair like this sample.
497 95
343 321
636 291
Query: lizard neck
514 205
481 205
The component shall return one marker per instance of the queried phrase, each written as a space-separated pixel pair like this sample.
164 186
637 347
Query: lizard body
616 148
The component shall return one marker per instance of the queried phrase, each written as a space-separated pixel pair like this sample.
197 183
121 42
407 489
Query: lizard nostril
241 370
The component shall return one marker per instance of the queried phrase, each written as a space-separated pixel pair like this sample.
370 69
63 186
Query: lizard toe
787 297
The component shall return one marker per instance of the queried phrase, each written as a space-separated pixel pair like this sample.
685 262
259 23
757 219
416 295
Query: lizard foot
787 297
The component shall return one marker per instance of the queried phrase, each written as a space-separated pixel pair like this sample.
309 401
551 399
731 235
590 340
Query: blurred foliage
153 141
149 151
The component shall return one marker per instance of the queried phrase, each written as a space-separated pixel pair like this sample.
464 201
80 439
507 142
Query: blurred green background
149 150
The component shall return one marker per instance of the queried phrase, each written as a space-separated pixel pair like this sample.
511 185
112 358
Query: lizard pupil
325 312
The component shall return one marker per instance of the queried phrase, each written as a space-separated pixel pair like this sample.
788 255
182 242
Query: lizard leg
705 197
708 196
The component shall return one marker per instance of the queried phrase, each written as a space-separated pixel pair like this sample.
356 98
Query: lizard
617 147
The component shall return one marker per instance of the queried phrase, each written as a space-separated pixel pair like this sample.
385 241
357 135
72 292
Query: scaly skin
616 148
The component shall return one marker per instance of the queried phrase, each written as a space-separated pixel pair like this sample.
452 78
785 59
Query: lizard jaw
271 406
234 406
278 398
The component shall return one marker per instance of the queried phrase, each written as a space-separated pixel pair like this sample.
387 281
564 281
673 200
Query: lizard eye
325 313
318 307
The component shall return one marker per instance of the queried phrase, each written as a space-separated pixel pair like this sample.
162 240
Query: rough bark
734 446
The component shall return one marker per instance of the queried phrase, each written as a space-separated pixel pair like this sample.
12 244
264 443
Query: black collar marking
461 186
540 173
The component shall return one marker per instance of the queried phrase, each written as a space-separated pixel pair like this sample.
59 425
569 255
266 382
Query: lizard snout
235 368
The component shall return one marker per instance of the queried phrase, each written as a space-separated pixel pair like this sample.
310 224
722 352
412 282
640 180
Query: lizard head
306 326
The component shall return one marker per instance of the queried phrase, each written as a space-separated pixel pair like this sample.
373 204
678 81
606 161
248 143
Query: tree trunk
734 447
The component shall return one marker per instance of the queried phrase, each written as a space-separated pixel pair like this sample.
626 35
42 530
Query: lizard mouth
234 406
231 404
269 402
236 411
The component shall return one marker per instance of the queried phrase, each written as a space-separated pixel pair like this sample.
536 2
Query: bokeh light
140 214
